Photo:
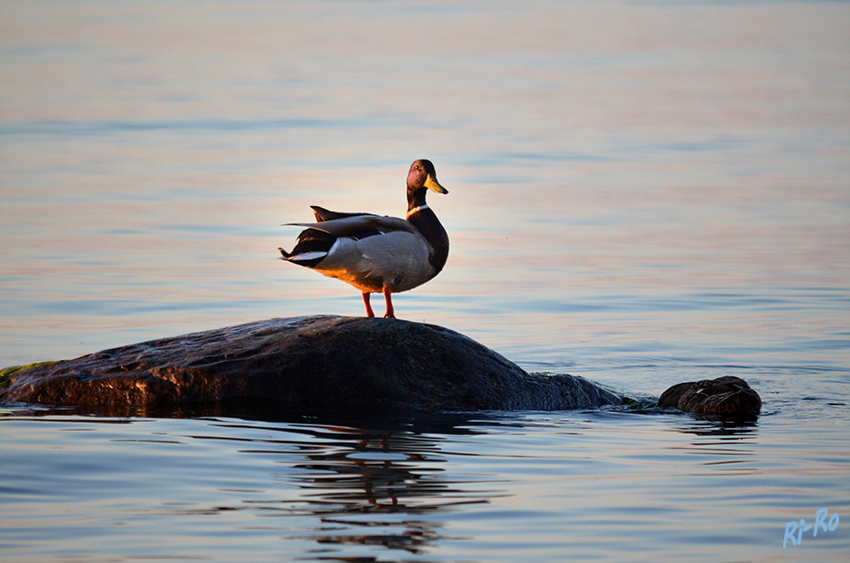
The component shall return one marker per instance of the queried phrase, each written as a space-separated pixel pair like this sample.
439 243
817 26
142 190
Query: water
606 486
640 193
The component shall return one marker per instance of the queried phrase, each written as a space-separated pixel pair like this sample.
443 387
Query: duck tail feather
323 214
312 247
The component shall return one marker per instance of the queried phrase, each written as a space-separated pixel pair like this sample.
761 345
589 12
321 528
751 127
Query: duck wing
359 225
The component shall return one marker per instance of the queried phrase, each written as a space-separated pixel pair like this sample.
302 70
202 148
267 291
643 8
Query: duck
374 253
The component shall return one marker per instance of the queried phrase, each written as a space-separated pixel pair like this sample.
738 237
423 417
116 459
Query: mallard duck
378 254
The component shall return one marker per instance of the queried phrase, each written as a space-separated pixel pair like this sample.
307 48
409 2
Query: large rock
309 362
727 395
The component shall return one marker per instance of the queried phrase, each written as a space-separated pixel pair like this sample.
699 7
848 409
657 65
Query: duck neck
416 198
425 220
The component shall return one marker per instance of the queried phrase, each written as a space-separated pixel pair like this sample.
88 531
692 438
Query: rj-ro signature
800 527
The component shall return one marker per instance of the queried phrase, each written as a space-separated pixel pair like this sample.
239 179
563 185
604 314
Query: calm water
642 193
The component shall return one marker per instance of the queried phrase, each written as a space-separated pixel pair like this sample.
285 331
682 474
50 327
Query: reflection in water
729 444
374 475
719 426
372 487
488 486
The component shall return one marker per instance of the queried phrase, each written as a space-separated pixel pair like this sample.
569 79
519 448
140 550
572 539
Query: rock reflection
742 427
723 445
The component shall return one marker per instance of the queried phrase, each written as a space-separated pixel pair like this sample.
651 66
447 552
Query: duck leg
390 312
366 299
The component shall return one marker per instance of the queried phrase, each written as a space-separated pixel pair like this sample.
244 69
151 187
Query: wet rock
310 362
725 395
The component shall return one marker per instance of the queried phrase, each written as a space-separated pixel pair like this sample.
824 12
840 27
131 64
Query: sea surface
641 193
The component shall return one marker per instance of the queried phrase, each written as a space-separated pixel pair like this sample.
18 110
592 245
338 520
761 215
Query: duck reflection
379 487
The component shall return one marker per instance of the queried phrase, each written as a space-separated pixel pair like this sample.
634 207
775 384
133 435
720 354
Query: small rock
726 395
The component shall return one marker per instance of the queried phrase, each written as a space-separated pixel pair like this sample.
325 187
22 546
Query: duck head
421 176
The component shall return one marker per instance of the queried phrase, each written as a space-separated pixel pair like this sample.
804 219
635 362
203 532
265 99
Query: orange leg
390 312
366 298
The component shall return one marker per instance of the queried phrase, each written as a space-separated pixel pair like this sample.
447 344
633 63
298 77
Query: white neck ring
416 210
